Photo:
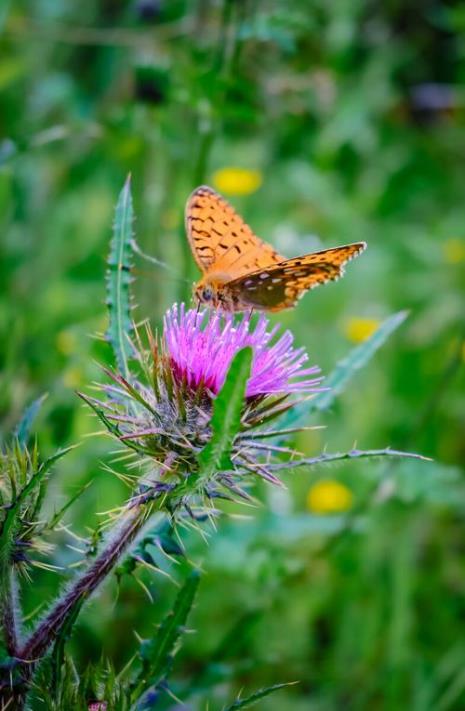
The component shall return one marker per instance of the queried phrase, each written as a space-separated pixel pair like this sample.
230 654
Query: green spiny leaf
11 520
111 427
226 419
157 653
345 370
356 359
23 428
119 266
253 698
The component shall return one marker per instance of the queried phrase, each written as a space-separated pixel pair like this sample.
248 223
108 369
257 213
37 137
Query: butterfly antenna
153 260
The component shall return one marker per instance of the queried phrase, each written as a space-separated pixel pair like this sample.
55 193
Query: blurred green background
322 123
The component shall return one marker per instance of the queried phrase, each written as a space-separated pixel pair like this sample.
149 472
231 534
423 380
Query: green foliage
352 115
255 697
24 426
157 654
119 278
26 480
345 370
226 419
339 378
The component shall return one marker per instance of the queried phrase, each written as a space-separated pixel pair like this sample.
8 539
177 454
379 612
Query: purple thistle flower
202 345
162 410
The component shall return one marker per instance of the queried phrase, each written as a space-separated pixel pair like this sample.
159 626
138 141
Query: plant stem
326 458
28 655
41 639
9 607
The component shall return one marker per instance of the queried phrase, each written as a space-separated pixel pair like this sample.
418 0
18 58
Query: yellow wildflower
359 329
66 342
454 250
237 181
329 496
72 377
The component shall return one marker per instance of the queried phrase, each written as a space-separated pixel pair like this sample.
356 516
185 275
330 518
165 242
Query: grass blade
119 279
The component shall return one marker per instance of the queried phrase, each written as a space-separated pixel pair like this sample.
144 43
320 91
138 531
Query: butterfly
240 272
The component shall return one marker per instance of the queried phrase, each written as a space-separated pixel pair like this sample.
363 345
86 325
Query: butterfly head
211 292
206 292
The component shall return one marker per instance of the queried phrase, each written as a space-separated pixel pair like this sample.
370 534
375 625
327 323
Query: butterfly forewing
280 285
220 239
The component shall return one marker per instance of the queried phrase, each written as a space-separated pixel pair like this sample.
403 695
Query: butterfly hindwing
279 286
220 239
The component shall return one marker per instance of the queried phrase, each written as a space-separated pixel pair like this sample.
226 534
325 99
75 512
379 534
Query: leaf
23 428
11 519
356 359
253 698
226 419
119 266
345 370
111 427
157 653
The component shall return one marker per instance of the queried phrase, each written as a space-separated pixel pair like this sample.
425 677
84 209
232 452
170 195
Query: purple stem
48 629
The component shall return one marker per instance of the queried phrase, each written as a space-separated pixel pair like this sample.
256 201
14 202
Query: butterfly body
240 271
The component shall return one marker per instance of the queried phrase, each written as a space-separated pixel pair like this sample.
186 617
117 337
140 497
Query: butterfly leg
250 314
196 313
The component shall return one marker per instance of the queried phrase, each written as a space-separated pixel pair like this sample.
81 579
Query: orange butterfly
240 272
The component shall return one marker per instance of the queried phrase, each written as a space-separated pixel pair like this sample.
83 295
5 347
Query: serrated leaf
12 520
226 419
34 482
345 370
111 427
119 279
253 698
157 653
24 426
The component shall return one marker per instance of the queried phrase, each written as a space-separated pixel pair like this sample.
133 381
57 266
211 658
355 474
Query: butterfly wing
280 285
220 239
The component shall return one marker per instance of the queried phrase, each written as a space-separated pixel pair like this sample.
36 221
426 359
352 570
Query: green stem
8 612
208 126
345 456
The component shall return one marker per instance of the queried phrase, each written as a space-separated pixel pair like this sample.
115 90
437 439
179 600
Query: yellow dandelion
454 250
358 329
329 496
237 181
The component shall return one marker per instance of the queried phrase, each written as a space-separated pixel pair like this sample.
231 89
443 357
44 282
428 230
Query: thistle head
164 413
